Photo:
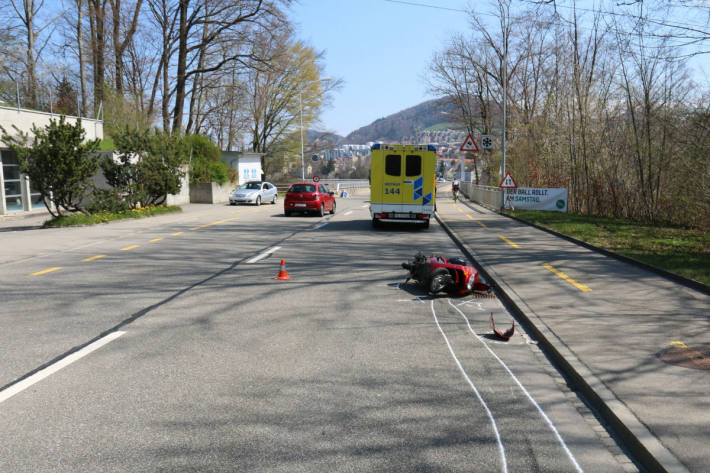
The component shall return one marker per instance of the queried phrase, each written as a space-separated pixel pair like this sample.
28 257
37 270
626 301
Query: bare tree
27 14
97 22
164 14
225 21
120 44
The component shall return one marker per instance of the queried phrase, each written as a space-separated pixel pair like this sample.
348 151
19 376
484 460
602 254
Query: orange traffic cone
283 275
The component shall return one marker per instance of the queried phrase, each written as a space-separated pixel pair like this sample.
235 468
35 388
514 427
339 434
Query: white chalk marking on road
525 391
365 205
478 304
501 449
263 255
53 368
320 225
348 212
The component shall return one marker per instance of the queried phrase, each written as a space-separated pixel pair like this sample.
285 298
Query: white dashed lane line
264 254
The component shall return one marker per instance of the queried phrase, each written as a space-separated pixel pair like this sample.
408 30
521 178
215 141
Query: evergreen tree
59 163
148 166
66 98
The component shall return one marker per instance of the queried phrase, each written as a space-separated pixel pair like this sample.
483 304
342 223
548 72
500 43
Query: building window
12 181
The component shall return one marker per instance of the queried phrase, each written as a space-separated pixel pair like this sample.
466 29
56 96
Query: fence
487 196
335 184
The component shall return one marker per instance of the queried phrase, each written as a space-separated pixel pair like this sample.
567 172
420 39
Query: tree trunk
97 16
181 79
119 47
31 66
82 65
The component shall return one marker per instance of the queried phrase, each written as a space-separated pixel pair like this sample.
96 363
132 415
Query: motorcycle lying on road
450 275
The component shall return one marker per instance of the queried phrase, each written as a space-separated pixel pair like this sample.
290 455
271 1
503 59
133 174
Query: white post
463 164
505 85
3 205
303 165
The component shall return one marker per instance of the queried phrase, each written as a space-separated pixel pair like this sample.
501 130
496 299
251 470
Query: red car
309 197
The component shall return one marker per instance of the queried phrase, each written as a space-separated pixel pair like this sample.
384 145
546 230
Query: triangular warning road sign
469 144
508 182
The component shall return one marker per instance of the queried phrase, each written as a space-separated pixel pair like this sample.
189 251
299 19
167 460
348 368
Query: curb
643 446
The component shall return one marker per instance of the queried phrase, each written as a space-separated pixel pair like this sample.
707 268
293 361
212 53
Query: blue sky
380 49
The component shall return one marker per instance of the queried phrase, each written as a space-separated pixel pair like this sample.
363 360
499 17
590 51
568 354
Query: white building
247 164
16 192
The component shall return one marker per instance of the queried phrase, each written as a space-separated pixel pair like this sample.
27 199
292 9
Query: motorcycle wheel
439 280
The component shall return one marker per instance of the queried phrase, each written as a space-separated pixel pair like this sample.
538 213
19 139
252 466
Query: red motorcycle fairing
438 273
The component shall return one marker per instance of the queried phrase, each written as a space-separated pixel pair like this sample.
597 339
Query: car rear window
302 188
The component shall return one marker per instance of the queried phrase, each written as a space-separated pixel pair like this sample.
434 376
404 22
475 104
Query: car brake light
423 216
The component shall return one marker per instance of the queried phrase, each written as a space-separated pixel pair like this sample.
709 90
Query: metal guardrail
487 196
338 184
335 184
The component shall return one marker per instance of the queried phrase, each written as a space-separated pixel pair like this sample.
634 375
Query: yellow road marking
481 224
215 223
94 258
559 273
47 271
130 247
459 209
469 217
155 239
678 345
514 245
176 233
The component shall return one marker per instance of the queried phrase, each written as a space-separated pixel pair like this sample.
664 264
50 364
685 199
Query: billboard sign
534 198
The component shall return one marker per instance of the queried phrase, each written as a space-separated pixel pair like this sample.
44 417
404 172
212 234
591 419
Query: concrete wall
184 196
209 193
24 119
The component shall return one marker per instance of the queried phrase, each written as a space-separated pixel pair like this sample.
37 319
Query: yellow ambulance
402 183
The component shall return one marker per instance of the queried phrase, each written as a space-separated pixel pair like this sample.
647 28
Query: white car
254 192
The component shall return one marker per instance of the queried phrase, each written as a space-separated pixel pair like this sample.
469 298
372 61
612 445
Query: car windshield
303 188
251 185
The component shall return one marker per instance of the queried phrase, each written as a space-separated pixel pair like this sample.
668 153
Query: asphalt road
165 344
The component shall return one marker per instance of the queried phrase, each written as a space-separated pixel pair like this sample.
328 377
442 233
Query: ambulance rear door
393 185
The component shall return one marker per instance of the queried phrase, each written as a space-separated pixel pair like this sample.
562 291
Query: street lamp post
300 106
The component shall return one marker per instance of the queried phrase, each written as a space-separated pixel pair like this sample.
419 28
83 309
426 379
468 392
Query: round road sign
316 178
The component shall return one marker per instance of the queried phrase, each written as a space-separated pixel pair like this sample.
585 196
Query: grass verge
681 250
105 217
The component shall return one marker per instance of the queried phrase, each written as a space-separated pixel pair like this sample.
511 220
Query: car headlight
470 284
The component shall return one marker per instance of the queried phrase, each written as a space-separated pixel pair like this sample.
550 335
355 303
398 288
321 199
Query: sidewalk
23 221
635 344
